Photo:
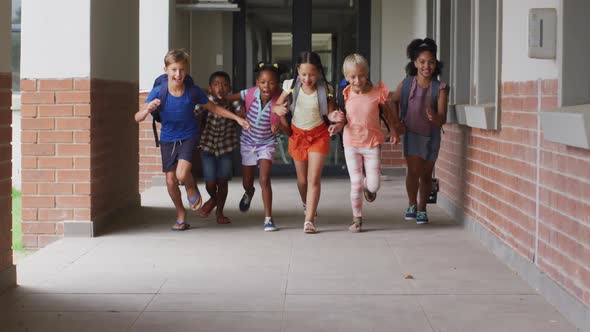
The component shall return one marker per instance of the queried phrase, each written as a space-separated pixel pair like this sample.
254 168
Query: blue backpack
162 82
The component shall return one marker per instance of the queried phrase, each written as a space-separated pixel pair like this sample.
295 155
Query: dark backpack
162 82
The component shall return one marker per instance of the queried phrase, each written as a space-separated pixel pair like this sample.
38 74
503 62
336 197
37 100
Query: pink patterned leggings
355 159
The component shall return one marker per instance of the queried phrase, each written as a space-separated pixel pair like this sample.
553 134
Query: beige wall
61 48
401 21
114 32
516 65
210 38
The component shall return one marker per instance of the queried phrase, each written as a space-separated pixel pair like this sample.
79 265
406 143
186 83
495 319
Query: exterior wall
532 194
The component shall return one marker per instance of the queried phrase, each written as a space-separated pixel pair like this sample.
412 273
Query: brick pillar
55 157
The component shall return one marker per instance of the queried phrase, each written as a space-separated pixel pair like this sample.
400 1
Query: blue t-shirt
178 118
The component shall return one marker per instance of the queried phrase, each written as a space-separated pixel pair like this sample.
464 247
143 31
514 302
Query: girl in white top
309 99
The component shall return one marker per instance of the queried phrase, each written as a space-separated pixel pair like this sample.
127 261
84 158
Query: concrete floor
140 276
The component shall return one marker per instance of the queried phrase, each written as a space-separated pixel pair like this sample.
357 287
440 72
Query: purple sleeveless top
419 102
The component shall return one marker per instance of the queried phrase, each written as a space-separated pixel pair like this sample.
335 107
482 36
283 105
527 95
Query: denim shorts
216 167
172 152
425 147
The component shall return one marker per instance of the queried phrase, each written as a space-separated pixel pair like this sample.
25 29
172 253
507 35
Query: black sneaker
246 200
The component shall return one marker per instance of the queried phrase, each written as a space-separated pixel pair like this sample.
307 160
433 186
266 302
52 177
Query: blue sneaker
269 226
411 212
246 200
421 218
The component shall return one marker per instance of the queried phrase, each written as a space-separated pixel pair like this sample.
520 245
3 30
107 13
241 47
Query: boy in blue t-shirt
179 132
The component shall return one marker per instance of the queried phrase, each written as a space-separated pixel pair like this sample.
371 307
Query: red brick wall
492 175
392 155
115 163
150 159
78 157
5 171
55 156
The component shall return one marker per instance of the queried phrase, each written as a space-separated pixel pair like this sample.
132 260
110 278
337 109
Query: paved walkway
143 277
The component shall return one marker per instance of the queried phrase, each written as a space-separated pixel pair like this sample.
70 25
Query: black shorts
172 152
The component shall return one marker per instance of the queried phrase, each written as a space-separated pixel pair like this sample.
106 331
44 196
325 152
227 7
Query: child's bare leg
248 178
222 189
425 184
314 175
301 169
412 178
183 173
175 195
264 179
212 188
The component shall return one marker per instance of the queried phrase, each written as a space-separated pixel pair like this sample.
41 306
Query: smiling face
358 77
219 87
426 64
268 84
176 72
308 74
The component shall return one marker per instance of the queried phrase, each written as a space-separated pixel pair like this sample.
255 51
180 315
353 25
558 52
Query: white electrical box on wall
542 33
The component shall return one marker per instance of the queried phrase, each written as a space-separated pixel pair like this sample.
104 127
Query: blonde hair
352 60
175 56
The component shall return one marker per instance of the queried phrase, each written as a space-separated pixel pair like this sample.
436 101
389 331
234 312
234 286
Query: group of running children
305 109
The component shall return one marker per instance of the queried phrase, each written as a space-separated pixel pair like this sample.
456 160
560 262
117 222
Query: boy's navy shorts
172 152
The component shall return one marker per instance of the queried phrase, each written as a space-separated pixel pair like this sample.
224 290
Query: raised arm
147 109
216 109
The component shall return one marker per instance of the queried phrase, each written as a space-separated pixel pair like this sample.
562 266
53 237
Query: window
471 40
575 72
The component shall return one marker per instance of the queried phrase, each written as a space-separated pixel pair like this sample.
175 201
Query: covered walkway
143 277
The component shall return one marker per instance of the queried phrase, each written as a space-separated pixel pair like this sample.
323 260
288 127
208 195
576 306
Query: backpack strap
322 90
406 86
249 98
162 83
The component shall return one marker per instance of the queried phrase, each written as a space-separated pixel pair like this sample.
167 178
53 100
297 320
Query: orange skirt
302 142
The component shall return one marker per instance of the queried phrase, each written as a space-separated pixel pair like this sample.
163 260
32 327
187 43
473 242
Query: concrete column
79 92
7 269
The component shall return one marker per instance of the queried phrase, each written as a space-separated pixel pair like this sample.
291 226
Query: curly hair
417 47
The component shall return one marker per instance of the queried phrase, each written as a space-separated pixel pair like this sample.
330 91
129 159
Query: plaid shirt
220 135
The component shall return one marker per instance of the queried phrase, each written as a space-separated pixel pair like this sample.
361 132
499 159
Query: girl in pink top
362 133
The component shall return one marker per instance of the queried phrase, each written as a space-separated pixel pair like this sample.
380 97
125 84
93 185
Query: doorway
276 31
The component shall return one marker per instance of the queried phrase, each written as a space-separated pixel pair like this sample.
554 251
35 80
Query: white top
307 115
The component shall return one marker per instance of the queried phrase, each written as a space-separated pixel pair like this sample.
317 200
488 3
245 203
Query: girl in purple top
422 100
